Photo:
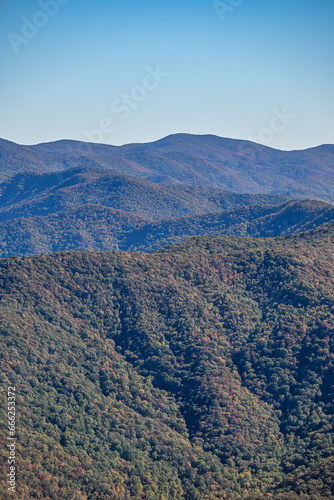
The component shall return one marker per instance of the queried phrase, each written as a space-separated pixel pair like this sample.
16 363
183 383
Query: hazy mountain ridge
207 161
40 194
15 159
181 176
86 208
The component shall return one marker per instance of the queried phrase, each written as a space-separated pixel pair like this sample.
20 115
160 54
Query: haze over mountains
70 195
207 161
36 194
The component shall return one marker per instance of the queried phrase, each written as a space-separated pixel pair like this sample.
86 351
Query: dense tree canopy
202 371
96 227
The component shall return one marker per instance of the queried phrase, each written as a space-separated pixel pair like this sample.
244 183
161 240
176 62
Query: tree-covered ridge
203 371
196 160
15 159
95 227
254 221
29 195
90 227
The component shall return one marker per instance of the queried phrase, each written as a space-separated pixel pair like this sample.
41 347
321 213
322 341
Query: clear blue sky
82 70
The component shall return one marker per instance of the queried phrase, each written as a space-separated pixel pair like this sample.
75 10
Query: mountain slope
34 194
90 227
201 371
95 227
15 159
254 221
206 161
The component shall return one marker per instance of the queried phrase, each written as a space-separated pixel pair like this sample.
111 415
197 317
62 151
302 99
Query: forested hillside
203 371
15 159
95 227
254 221
28 195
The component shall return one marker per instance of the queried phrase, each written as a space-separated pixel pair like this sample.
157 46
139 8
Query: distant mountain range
70 195
205 161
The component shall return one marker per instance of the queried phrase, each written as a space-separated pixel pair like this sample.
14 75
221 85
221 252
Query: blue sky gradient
84 72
